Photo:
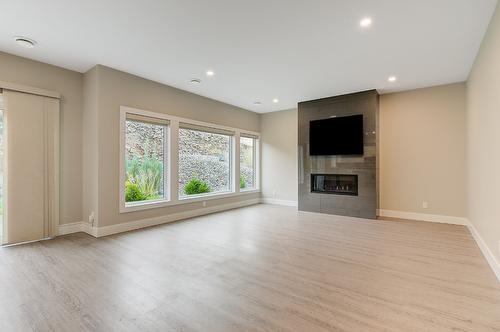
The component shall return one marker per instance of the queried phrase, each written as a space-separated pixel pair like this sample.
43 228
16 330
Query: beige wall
422 150
117 89
279 155
69 84
483 139
90 143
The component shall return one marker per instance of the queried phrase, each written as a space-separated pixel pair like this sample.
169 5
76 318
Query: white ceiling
259 49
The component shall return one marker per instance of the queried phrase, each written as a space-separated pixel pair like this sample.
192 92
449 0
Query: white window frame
255 160
232 162
171 169
141 205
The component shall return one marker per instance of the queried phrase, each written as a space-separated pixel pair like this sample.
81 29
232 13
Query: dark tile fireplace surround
341 185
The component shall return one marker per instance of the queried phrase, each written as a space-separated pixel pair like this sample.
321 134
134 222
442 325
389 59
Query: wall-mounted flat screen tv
336 136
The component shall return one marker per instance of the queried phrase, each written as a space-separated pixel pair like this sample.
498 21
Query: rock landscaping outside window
204 162
145 146
247 163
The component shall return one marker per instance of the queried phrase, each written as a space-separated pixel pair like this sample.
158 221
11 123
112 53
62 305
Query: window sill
183 200
206 197
249 190
144 205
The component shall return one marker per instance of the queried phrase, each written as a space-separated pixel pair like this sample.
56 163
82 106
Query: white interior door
32 167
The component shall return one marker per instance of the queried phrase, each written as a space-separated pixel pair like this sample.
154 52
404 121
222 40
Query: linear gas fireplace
337 184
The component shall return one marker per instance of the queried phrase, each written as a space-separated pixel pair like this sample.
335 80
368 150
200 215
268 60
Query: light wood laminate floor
261 268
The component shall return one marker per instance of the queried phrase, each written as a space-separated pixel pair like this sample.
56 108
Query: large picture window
248 174
145 159
205 165
167 160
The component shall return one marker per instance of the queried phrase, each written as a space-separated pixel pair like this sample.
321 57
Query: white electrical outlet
425 205
204 203
499 246
274 193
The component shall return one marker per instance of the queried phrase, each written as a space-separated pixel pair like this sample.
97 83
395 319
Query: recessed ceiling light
276 100
392 79
366 22
195 81
25 42
257 103
210 73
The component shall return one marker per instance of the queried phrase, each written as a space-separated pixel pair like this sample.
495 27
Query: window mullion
236 163
174 161
254 163
257 164
166 161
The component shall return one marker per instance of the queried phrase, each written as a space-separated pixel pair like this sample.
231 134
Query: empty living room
306 165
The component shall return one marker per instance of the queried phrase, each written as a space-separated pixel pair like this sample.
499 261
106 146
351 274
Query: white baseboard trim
423 217
87 228
488 255
74 227
274 201
129 226
490 258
